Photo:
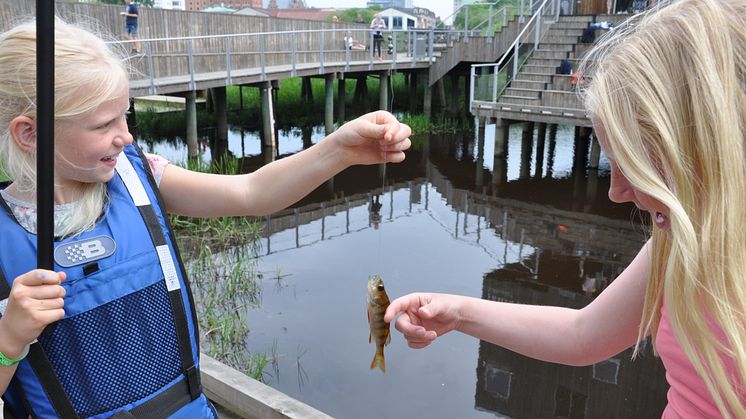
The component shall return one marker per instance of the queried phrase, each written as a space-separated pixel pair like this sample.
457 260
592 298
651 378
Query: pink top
688 396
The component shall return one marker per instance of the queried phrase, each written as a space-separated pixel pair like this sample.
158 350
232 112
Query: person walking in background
666 95
377 25
131 16
124 341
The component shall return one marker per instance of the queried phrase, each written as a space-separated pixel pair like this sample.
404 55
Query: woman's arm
374 138
602 329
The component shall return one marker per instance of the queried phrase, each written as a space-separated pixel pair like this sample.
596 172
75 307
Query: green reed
219 258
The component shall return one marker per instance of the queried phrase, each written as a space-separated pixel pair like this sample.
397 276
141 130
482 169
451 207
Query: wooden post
527 148
440 88
540 140
191 124
306 89
329 104
552 148
383 91
591 190
268 119
240 97
499 159
361 91
479 175
413 92
427 100
220 144
341 98
132 118
467 94
454 93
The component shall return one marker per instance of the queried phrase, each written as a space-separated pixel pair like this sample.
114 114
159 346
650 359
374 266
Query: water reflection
517 386
534 227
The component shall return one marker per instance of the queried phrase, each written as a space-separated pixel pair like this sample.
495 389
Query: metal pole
45 133
228 62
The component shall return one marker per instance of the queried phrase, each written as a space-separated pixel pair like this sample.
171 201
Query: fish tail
379 360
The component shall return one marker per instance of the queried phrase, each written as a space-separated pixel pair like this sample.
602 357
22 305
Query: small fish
378 302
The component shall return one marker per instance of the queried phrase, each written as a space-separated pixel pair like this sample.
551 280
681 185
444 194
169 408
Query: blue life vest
127 346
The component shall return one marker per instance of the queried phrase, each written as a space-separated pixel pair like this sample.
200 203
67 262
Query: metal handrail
514 48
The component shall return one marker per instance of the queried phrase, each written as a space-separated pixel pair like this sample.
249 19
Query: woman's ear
23 130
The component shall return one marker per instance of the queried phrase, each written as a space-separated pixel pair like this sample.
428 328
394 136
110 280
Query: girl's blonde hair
87 73
669 88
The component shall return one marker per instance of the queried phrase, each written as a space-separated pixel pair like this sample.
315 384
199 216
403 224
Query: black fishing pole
45 134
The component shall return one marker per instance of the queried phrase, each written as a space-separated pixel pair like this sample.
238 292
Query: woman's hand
377 137
35 301
424 317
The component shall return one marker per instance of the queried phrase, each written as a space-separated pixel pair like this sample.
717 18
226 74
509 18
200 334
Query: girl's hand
35 301
376 137
424 317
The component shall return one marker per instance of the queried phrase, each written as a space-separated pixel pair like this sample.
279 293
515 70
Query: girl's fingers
41 277
51 304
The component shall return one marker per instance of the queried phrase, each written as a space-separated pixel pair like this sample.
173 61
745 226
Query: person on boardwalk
667 99
131 15
377 25
124 336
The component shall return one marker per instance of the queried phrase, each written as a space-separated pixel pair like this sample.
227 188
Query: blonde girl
667 98
124 342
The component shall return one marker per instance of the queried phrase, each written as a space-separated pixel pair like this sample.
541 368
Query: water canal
450 221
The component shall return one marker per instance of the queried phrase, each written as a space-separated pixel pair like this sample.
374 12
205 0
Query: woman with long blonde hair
667 98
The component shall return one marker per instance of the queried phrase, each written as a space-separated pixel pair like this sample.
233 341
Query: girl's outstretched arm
605 327
373 138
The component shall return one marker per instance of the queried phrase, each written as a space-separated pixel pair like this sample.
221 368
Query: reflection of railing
501 73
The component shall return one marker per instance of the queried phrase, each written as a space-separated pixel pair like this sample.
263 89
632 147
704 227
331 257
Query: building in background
197 5
426 18
170 4
385 4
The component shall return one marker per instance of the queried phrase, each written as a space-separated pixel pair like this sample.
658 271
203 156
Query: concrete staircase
536 87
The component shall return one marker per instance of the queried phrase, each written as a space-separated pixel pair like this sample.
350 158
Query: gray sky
442 8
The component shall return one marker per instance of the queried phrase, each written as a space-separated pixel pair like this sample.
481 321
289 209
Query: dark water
451 220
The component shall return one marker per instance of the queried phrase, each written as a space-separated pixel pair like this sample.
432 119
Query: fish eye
380 287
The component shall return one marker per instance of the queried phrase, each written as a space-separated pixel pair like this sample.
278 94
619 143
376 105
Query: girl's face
88 145
621 190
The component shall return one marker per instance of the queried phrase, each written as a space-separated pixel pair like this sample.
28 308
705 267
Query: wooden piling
268 120
329 104
341 98
191 124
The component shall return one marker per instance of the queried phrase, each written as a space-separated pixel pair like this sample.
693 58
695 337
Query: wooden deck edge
247 397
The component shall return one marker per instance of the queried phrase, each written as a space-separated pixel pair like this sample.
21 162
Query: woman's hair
669 87
87 73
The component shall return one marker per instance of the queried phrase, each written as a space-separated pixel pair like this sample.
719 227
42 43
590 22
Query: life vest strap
161 406
137 191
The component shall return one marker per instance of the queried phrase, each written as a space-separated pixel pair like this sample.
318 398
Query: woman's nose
620 190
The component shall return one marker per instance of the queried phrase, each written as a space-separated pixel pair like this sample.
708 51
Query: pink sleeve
157 166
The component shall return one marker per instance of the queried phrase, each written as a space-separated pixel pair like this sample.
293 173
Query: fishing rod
45 134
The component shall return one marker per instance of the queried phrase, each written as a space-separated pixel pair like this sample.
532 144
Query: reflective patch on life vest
84 251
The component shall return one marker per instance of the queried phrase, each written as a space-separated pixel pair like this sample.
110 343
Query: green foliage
479 15
422 124
350 15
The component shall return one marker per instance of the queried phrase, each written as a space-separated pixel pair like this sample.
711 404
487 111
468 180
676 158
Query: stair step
560 40
517 100
576 18
526 76
526 84
539 69
549 54
523 93
557 47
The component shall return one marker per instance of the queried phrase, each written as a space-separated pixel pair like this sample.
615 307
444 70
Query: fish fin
388 339
370 339
379 360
